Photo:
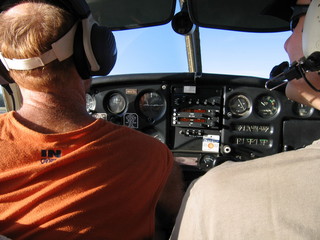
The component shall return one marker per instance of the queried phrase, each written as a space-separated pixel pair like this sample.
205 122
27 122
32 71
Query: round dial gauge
90 103
303 110
155 134
116 103
267 106
152 105
239 105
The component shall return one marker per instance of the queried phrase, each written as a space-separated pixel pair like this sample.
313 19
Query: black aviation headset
285 72
93 46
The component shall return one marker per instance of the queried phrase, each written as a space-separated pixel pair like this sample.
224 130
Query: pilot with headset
275 197
64 174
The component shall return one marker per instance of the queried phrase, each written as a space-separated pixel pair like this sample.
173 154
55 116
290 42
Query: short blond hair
29 35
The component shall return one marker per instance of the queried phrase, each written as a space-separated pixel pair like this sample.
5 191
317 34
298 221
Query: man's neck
48 113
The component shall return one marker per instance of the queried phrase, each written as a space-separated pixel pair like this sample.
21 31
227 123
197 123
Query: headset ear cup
79 55
104 48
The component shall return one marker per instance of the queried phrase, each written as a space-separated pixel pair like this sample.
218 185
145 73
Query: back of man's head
28 30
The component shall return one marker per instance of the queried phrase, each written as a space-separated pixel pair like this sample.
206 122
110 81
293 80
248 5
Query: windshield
150 50
159 49
242 53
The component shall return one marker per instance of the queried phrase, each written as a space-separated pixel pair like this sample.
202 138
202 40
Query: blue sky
160 49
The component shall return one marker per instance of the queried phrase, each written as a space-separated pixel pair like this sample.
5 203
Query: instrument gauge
267 106
152 105
116 103
303 110
155 134
90 103
239 105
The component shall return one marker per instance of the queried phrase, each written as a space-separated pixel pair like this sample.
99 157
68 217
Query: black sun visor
128 14
244 15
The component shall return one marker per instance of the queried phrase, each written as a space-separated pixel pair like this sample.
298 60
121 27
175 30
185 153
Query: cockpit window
241 53
150 50
159 49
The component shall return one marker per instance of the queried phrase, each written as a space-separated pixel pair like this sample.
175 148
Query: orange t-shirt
99 182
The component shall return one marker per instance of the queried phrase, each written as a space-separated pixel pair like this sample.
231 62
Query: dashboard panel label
211 143
131 120
132 91
190 89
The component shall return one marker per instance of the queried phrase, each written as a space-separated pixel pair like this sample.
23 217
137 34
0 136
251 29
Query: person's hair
29 35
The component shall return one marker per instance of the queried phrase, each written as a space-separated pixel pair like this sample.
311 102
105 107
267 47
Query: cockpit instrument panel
205 121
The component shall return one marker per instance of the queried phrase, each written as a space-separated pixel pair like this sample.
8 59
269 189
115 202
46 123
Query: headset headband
92 46
61 50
